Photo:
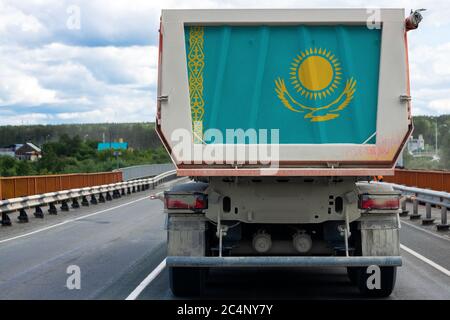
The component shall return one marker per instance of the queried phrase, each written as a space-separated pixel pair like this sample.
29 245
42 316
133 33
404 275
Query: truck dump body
283 92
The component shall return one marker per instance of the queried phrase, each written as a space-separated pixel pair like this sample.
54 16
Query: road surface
117 245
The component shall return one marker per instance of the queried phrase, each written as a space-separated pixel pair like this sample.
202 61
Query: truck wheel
387 282
187 281
352 274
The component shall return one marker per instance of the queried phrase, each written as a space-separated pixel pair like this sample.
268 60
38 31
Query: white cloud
107 70
442 106
85 84
25 119
124 22
430 78
133 64
15 20
17 26
17 87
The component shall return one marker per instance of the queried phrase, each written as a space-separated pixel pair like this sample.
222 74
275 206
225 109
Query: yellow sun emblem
316 74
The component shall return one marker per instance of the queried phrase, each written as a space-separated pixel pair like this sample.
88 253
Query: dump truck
279 118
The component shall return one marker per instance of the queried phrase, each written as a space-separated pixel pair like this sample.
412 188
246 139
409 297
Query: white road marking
136 292
71 220
425 230
426 260
141 287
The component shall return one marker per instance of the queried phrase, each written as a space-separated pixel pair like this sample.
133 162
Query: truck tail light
379 202
194 201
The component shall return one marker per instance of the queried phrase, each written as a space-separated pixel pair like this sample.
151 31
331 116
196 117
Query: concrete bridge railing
96 194
429 198
144 171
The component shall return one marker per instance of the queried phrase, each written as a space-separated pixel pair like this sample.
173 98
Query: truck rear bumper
242 262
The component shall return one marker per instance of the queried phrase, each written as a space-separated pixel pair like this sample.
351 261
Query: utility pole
117 154
436 140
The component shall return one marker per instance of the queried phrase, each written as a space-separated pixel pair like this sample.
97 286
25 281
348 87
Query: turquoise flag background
316 84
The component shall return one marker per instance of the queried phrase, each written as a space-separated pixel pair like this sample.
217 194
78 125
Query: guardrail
430 198
13 187
144 171
97 194
434 180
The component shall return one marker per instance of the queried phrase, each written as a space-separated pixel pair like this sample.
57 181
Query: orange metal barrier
434 180
13 187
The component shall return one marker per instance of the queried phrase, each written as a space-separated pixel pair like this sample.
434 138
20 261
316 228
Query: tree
24 168
445 151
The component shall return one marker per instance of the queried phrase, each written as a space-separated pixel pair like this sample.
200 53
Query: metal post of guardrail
6 221
84 201
101 198
75 204
443 225
23 217
38 212
427 220
415 215
64 206
52 208
404 212
108 196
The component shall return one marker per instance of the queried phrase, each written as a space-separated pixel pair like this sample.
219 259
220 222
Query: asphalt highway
119 250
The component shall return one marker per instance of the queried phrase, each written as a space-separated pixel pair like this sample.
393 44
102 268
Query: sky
102 67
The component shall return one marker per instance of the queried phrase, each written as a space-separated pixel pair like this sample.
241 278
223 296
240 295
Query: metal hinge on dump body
163 98
405 98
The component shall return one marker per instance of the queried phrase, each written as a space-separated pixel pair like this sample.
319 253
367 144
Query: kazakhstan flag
316 84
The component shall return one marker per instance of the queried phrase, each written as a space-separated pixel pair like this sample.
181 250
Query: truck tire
387 282
187 281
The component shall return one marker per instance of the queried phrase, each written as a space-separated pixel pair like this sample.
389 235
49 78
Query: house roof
36 148
26 148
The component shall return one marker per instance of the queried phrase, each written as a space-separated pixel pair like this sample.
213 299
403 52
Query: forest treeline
75 155
72 148
138 135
